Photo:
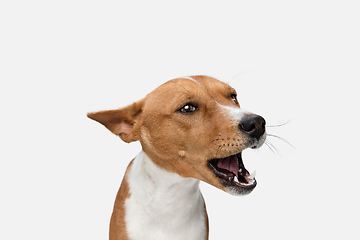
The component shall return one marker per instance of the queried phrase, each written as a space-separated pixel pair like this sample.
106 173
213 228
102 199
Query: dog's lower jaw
163 205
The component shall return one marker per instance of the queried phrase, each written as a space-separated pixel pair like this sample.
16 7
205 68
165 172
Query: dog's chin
232 174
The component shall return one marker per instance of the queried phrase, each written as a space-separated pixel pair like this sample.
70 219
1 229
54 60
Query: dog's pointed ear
120 121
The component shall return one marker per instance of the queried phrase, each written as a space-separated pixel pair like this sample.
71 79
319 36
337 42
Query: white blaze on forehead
190 78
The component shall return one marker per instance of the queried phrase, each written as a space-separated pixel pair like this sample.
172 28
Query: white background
289 60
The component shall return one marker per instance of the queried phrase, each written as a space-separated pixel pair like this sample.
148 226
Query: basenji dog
191 129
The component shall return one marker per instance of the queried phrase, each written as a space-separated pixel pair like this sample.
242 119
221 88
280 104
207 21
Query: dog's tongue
229 163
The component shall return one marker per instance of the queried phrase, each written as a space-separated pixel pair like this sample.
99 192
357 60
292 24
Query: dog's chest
163 205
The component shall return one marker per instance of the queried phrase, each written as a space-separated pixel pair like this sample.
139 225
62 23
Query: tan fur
176 142
117 222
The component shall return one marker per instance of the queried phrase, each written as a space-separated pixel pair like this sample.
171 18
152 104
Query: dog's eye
234 97
188 108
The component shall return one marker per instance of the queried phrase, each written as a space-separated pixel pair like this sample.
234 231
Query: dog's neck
163 205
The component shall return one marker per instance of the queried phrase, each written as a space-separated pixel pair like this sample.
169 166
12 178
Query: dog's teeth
252 176
236 179
240 170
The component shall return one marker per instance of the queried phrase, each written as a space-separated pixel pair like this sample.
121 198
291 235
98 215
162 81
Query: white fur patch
190 78
163 205
235 114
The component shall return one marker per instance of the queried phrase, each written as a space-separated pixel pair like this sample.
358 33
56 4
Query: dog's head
194 127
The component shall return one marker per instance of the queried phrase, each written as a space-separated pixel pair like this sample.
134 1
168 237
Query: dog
191 129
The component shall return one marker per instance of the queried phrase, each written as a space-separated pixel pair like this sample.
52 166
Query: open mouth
232 172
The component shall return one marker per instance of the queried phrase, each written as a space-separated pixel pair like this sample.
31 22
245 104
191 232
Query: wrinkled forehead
189 89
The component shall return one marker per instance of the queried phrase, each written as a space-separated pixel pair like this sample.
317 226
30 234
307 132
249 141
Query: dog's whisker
269 147
176 162
279 125
216 139
272 147
180 86
284 140
237 75
219 150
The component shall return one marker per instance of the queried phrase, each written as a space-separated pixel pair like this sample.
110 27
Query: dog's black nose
254 125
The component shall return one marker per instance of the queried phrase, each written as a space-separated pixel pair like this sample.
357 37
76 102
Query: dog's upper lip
232 171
